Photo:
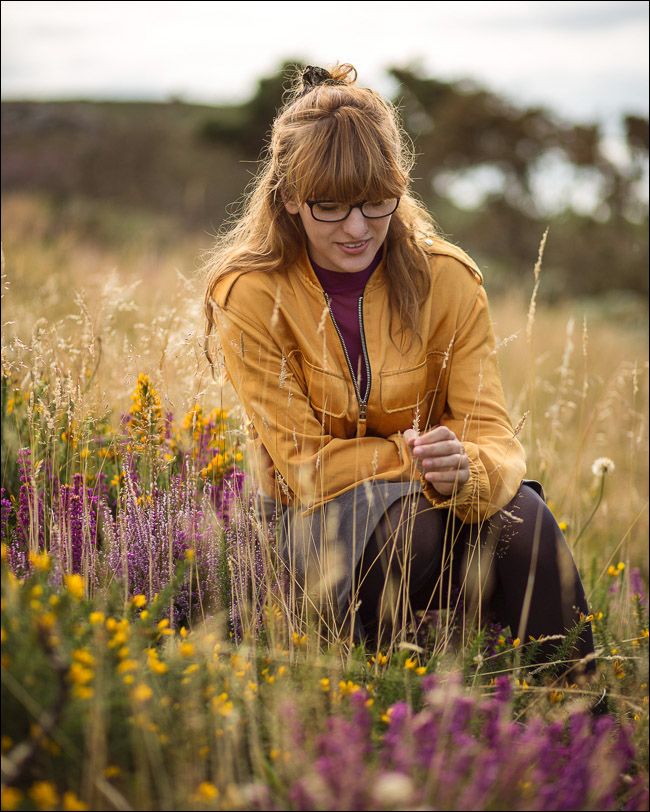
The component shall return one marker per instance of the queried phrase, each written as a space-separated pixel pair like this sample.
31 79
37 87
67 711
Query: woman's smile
347 246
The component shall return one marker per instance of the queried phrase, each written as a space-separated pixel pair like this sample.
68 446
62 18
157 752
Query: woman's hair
332 140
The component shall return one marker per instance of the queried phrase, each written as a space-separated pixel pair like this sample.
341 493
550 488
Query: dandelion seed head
602 466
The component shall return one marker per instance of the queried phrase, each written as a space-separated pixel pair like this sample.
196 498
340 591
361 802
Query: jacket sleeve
314 466
475 411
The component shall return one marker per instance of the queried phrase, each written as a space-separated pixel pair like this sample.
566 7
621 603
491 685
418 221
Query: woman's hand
440 457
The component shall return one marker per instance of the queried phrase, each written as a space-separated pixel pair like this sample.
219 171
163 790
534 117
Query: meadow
152 657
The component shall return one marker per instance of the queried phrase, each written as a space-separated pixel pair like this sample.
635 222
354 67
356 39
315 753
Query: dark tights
492 564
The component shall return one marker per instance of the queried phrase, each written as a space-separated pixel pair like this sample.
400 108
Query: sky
587 61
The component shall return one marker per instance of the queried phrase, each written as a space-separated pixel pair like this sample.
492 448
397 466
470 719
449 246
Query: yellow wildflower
347 688
138 601
83 656
409 664
11 797
126 665
221 704
298 640
325 684
79 674
40 561
187 649
142 692
75 585
72 804
44 794
207 792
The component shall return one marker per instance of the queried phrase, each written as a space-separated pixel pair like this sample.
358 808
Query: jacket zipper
363 402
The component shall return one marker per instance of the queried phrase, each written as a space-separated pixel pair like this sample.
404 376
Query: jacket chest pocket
328 392
404 390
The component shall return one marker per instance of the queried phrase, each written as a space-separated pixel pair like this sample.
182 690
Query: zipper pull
362 410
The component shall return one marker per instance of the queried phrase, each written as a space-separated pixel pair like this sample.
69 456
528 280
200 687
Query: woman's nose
356 224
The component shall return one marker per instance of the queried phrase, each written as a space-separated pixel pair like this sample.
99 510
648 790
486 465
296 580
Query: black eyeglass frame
312 203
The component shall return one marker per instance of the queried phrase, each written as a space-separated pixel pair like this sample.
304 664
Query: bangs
347 159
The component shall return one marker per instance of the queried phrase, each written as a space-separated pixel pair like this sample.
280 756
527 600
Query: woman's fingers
442 476
451 462
443 448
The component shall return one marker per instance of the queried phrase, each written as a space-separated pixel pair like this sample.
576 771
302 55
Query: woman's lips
353 248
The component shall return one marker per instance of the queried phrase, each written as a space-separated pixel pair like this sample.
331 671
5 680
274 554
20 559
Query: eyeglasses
325 211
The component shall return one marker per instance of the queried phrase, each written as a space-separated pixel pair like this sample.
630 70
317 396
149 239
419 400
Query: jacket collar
307 274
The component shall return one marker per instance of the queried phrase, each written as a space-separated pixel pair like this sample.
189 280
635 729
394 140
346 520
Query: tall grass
156 654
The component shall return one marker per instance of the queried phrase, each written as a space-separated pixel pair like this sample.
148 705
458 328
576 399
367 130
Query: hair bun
313 76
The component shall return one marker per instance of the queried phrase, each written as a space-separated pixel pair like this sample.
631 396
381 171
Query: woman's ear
291 207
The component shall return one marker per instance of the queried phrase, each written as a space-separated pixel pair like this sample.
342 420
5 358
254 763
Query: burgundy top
344 291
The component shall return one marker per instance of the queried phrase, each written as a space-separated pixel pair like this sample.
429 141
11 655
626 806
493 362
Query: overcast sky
587 60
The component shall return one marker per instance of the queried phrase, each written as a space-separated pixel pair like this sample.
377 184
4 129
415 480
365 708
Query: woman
360 345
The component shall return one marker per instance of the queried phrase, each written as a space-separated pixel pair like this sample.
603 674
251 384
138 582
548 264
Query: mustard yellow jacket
310 439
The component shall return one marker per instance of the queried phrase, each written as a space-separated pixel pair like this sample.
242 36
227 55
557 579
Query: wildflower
381 659
207 792
187 650
44 794
83 656
602 466
142 692
409 664
163 627
385 717
516 642
126 665
47 621
71 803
111 771
555 697
421 670
221 705
347 688
325 684
11 797
75 585
79 674
138 601
298 641
619 671
612 571
40 561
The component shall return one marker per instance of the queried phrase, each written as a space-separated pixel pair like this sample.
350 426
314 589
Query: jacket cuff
466 501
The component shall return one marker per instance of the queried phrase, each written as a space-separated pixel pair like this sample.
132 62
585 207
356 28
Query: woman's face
348 246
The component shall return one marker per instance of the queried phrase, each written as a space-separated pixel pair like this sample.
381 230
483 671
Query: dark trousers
515 566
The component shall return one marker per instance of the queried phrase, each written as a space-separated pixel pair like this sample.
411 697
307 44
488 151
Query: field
151 657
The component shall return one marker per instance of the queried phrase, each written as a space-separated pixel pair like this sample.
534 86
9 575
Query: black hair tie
313 76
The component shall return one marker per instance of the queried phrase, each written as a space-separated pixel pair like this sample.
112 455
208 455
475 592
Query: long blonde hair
334 141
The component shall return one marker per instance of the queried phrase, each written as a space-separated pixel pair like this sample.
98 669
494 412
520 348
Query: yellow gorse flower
146 425
75 585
